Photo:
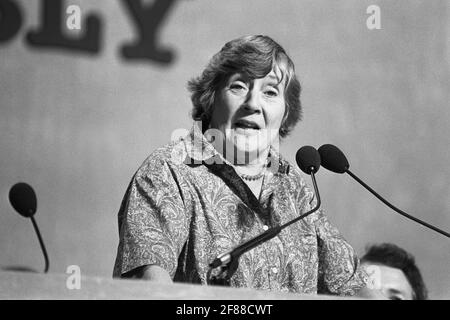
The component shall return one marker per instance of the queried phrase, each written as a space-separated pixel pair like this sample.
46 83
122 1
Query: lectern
26 285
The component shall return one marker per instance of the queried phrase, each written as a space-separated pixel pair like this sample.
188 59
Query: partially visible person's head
245 60
397 274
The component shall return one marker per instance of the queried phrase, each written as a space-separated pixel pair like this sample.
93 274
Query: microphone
334 160
23 199
308 160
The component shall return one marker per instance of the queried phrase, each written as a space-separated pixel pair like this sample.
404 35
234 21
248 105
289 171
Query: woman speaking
225 183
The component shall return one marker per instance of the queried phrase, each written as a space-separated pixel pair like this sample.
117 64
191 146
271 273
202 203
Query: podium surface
30 286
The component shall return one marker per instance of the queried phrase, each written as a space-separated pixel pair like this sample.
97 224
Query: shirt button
274 270
265 227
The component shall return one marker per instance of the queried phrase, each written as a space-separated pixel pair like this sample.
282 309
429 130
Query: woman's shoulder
168 156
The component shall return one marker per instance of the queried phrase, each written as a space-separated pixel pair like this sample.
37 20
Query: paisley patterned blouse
181 215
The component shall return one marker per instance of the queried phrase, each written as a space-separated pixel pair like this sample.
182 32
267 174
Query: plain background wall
77 126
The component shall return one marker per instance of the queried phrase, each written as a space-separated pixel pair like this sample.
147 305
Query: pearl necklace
252 178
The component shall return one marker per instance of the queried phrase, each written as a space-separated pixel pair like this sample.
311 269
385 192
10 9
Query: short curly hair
393 256
255 57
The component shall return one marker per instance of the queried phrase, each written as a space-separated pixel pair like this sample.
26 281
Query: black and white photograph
224 155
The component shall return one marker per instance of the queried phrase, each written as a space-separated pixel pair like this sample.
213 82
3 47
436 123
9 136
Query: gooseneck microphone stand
229 262
41 243
23 199
394 208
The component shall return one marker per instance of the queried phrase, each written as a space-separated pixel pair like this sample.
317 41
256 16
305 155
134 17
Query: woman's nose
253 102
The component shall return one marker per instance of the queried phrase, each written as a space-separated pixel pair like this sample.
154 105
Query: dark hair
255 57
395 257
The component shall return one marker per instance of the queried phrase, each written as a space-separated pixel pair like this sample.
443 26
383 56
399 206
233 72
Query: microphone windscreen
23 199
308 159
333 159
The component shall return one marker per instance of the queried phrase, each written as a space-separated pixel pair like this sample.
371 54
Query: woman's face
249 112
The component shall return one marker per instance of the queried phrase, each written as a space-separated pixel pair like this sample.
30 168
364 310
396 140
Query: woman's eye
271 93
237 86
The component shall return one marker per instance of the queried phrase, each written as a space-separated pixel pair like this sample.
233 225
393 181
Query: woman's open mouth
246 126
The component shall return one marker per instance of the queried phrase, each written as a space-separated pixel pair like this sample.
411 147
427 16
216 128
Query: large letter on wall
50 33
10 20
147 21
